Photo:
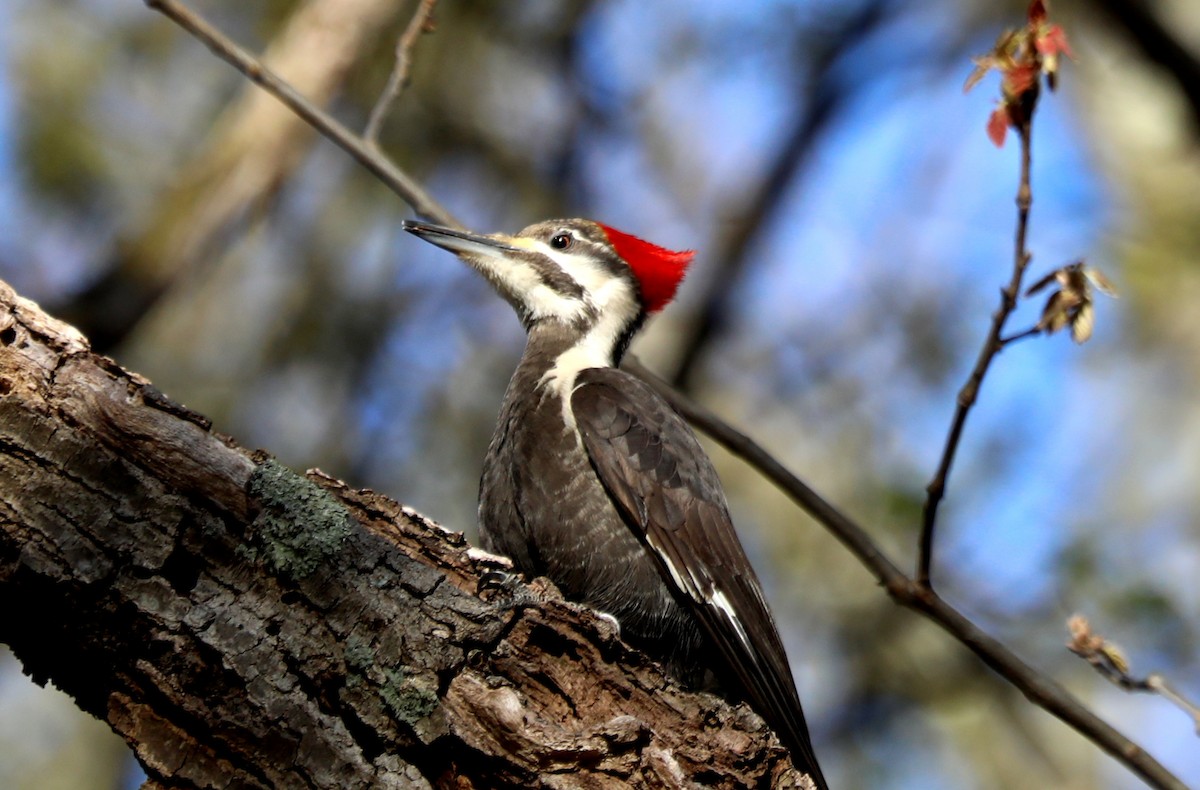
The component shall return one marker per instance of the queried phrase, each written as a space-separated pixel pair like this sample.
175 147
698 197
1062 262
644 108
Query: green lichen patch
299 526
360 656
410 699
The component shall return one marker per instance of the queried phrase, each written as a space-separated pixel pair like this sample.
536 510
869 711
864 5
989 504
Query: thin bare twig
991 346
399 76
1108 660
1040 689
1158 684
383 169
1032 331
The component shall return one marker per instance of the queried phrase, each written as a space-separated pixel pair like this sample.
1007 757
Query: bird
594 481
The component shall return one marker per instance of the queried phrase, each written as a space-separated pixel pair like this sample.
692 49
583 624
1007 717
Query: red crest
658 270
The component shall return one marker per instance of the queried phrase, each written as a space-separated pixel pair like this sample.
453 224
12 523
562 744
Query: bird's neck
558 355
553 359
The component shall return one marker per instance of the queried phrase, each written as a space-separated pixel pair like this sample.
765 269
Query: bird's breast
542 504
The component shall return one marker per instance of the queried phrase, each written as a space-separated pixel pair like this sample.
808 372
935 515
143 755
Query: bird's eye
561 241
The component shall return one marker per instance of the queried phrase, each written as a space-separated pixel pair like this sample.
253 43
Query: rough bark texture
244 626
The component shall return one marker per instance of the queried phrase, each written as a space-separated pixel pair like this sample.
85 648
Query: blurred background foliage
853 224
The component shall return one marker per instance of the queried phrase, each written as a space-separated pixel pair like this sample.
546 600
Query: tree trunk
245 626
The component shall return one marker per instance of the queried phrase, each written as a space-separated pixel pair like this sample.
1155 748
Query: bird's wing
667 489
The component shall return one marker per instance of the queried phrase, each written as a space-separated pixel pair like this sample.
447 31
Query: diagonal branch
393 177
229 183
1036 686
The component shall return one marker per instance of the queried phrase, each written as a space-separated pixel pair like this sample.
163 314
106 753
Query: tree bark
245 626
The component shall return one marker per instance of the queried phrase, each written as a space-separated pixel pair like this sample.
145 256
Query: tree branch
992 345
249 150
393 177
242 625
399 76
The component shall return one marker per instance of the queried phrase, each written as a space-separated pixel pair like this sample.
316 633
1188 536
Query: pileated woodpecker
594 481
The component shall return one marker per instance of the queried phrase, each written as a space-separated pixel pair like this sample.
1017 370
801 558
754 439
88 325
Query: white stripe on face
607 296
519 280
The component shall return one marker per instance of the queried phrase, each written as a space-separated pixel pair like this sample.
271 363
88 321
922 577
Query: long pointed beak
460 241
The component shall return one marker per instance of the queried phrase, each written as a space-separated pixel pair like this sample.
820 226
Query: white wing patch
718 599
685 583
704 592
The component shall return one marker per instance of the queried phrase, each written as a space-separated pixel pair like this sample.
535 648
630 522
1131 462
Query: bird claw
500 581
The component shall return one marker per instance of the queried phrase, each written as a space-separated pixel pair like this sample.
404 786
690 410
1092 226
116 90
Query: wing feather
668 491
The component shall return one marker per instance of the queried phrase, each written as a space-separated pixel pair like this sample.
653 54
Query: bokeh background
854 225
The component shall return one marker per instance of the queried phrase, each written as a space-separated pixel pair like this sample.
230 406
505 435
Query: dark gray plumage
542 504
594 481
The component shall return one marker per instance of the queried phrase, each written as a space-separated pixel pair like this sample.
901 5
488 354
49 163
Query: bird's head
572 272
